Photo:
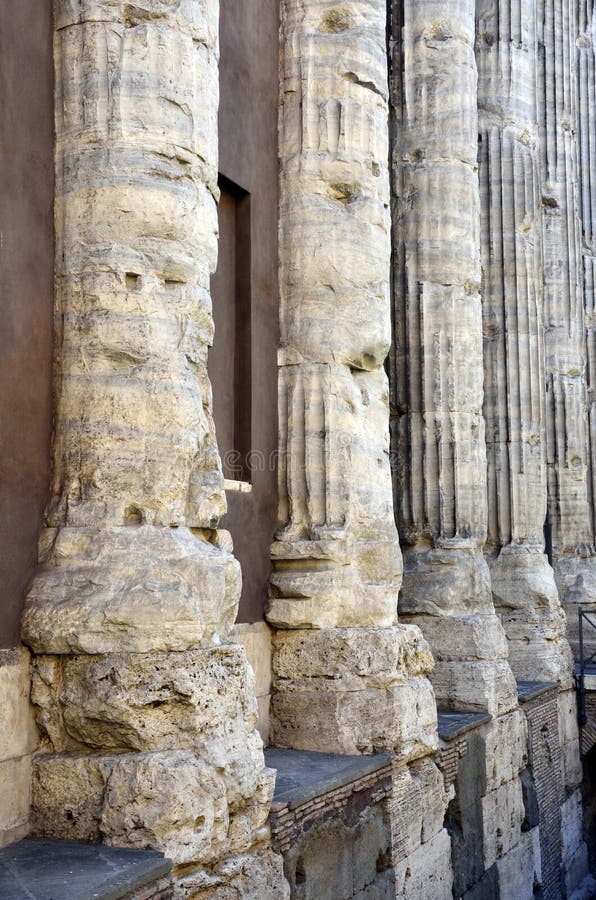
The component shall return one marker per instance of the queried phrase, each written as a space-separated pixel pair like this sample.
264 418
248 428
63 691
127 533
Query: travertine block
132 589
18 735
519 870
569 737
572 825
15 799
258 876
351 658
445 581
502 817
67 796
200 700
353 690
400 719
427 872
172 801
462 637
475 686
505 741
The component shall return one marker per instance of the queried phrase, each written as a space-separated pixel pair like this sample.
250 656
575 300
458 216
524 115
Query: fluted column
147 718
523 585
437 365
336 558
584 591
565 340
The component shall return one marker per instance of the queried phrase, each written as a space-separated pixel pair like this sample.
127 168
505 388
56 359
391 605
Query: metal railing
588 616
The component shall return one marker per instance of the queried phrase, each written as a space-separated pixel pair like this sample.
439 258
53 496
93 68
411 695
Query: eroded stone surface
336 558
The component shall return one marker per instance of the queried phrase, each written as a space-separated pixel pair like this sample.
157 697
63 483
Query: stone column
523 584
437 364
585 589
347 678
565 339
147 715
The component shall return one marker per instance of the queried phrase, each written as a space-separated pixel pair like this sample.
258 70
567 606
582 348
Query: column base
130 589
354 690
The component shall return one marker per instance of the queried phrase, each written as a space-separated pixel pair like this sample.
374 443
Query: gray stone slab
453 724
528 690
43 869
302 774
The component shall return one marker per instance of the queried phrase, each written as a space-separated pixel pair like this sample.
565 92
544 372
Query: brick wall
545 767
288 825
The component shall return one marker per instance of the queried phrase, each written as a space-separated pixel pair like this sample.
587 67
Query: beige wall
18 739
256 640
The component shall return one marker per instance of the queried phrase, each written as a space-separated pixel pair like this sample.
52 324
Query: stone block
345 659
519 870
475 686
506 748
463 637
416 807
569 737
255 876
502 817
200 700
256 640
170 801
400 719
572 818
427 872
576 872
18 735
15 794
135 589
67 796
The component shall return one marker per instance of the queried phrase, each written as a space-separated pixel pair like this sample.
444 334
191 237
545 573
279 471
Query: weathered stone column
523 584
148 719
565 339
584 591
524 590
437 365
347 677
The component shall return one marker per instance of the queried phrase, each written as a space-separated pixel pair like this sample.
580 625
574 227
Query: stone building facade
297 357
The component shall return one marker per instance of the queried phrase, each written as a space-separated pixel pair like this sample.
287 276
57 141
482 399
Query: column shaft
437 363
523 585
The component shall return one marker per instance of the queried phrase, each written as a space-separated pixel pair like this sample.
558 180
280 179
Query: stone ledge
529 690
303 775
43 869
452 725
314 788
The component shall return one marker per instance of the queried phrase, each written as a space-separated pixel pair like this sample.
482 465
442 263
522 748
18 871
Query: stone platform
42 869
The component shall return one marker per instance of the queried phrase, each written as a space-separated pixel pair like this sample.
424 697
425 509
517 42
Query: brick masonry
448 759
289 825
588 731
545 767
